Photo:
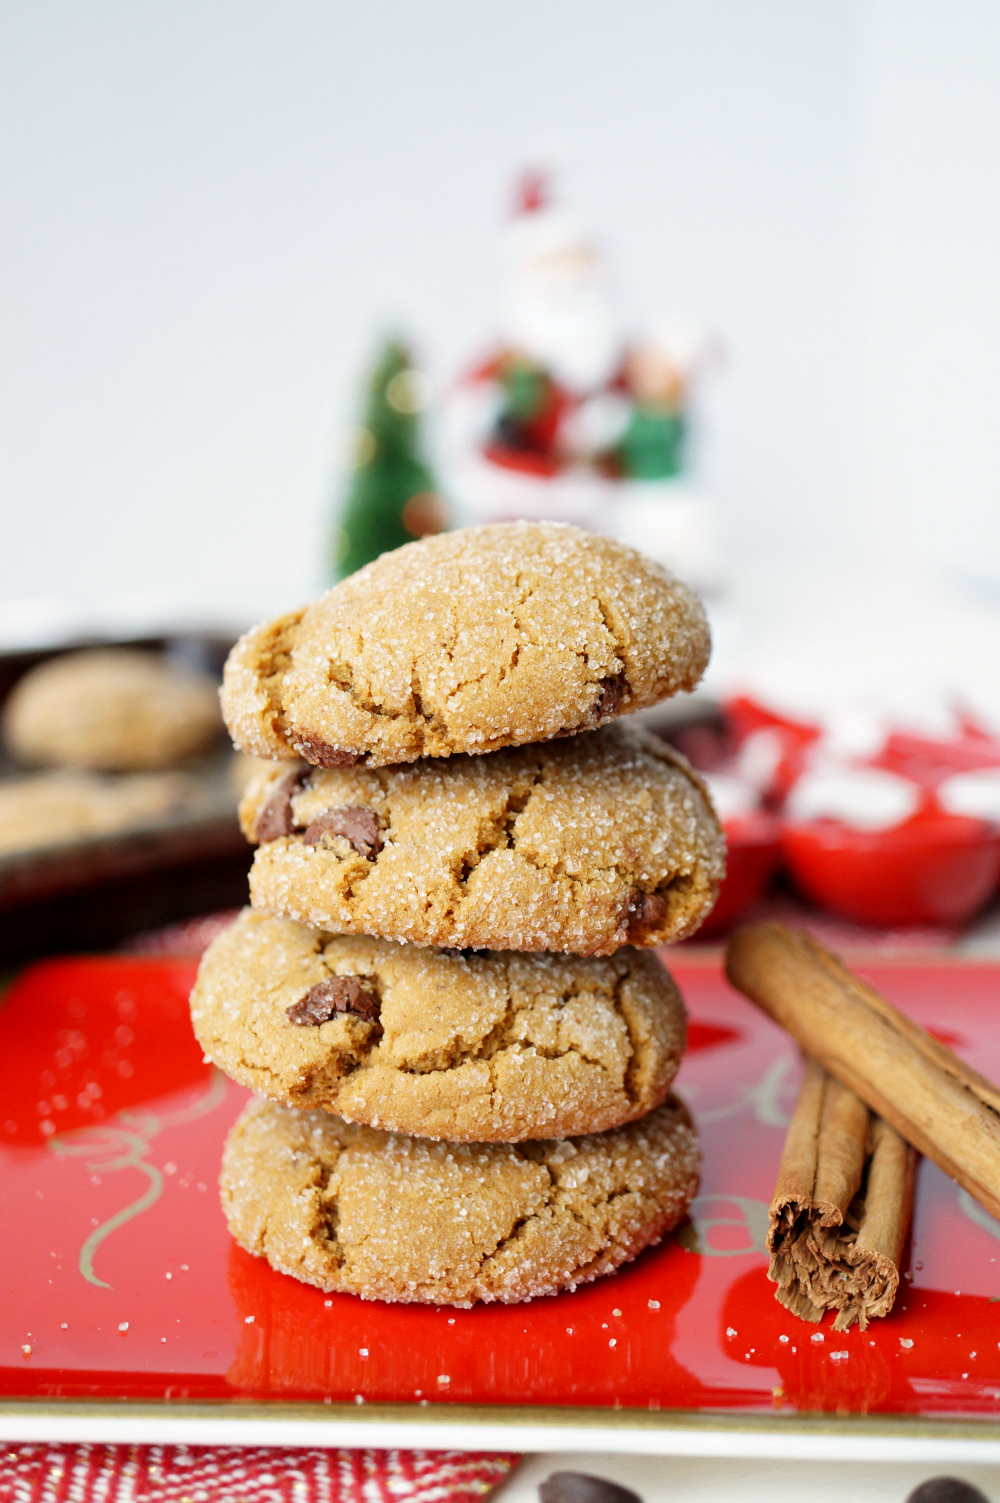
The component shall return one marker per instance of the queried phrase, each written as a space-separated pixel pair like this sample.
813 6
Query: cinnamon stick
940 1105
841 1207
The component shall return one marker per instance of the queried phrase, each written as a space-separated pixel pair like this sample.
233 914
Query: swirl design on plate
123 1143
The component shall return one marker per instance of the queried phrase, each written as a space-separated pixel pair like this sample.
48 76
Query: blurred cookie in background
111 709
243 768
55 808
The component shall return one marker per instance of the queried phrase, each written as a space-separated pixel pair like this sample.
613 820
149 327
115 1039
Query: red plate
120 1280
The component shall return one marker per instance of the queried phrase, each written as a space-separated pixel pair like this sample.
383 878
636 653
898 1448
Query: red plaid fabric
243 1474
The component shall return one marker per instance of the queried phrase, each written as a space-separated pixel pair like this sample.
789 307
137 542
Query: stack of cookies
444 994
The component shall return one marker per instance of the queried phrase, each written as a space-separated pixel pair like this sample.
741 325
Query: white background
210 208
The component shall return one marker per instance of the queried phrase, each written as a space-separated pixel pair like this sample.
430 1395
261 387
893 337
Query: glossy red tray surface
120 1279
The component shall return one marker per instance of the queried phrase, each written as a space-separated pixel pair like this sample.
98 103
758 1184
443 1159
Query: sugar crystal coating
478 1046
554 846
392 1217
498 641
466 642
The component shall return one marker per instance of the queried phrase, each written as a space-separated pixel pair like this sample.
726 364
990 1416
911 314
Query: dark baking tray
91 894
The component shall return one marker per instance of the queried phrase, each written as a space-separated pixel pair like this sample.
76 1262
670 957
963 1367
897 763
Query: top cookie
466 642
111 709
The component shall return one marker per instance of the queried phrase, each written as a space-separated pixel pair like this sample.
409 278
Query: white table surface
683 1479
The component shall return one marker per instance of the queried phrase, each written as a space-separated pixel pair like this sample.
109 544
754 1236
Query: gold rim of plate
802 1422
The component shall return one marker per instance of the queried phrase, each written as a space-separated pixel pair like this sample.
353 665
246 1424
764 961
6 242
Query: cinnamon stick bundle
940 1105
841 1207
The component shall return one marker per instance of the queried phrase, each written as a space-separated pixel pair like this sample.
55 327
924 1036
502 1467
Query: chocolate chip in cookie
614 693
946 1490
582 1487
321 754
327 999
642 912
276 818
358 826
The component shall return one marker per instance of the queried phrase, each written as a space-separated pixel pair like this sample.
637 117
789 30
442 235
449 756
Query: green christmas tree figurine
392 497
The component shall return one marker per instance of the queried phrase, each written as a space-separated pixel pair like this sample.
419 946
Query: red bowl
934 869
754 846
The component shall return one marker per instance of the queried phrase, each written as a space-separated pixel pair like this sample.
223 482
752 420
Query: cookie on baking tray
59 808
393 1217
469 641
582 844
477 1046
111 709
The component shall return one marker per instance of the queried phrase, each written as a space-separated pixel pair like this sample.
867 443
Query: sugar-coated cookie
112 709
59 808
479 1046
466 642
392 1217
583 844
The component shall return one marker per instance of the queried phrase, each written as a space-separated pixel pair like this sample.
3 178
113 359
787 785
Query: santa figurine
517 439
568 419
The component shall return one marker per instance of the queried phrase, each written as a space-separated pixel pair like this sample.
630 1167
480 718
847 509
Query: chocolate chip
276 818
320 754
641 912
359 828
946 1490
613 695
339 994
581 1487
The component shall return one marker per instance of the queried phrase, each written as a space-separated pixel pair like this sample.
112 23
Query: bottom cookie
391 1217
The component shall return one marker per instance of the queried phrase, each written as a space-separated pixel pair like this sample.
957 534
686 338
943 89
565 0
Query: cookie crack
517 1228
558 1199
431 720
508 668
526 594
329 1213
501 1038
358 878
320 1086
273 1086
645 912
606 1201
619 645
614 690
557 869
629 1080
490 1050
416 694
478 679
500 835
341 675
599 1264
275 661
